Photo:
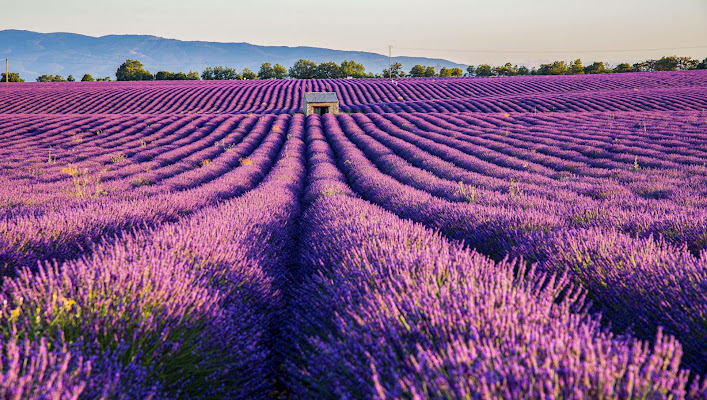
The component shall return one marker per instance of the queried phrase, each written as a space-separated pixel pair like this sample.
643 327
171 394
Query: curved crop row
665 91
532 237
385 308
64 234
691 98
183 310
495 230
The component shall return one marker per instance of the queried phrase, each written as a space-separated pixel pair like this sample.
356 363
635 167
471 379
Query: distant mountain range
33 54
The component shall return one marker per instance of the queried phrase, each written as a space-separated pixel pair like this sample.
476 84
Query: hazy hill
32 54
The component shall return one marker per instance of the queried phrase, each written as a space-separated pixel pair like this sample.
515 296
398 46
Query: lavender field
461 238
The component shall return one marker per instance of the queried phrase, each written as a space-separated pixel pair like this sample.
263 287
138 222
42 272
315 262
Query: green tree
175 76
665 64
248 74
266 71
193 76
220 73
396 71
687 63
484 70
505 70
327 70
208 74
418 71
556 68
430 72
623 67
12 77
164 76
303 69
133 70
597 67
641 66
576 67
352 69
450 72
87 78
701 65
70 78
470 70
279 72
50 78
523 70
106 79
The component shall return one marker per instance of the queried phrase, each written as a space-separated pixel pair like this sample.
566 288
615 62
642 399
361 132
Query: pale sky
468 32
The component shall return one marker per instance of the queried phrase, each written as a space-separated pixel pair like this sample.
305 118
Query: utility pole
390 61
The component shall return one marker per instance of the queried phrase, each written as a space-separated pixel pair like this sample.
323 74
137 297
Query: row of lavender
673 99
641 189
231 302
181 310
526 162
41 154
63 229
642 260
28 141
385 308
641 91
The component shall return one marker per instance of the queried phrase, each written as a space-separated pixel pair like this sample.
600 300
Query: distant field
649 91
527 237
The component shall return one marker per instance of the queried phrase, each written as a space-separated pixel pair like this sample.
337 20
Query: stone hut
320 103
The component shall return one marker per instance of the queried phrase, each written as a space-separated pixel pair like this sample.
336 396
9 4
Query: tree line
15 77
307 69
668 63
134 70
70 78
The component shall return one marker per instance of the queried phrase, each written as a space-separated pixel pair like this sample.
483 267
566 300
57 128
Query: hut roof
321 97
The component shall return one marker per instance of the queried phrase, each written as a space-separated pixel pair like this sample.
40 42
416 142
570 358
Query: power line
556 51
